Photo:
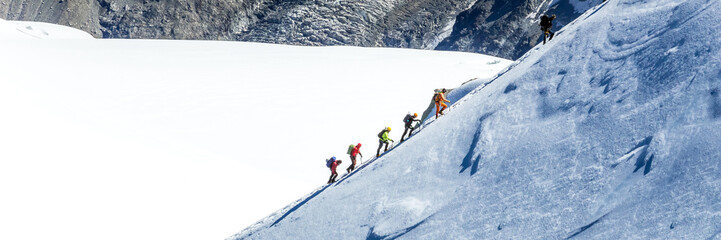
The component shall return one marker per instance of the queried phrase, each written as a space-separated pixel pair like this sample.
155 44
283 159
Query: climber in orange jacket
441 101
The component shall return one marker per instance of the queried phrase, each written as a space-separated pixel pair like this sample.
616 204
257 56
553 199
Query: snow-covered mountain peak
609 131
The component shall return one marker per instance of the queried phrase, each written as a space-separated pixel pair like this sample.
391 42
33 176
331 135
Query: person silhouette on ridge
546 24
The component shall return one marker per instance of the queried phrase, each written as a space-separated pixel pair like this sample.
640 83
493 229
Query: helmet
332 158
388 128
415 114
358 145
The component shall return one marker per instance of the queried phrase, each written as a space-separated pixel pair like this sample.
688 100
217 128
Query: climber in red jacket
333 173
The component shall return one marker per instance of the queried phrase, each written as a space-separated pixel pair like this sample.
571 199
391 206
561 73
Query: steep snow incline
610 131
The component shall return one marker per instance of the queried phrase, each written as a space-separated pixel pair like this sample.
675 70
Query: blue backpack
329 162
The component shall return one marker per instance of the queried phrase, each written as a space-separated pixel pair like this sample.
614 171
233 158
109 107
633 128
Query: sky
140 139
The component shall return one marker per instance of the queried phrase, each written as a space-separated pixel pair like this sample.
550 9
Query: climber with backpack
353 151
441 101
546 24
332 163
408 120
383 139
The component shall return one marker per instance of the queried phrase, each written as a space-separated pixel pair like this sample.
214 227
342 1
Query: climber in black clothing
408 120
546 24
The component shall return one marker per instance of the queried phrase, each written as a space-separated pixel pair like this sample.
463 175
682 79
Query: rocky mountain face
500 28
508 28
75 13
389 23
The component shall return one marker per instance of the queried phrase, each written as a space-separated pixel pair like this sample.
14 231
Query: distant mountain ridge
500 28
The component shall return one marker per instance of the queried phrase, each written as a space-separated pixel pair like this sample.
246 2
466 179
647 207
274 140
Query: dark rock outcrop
74 13
500 28
508 28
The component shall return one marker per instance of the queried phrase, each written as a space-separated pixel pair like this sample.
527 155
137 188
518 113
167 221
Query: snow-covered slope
144 139
610 131
38 30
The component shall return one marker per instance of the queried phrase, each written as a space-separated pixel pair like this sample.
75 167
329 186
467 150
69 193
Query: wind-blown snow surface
136 139
609 131
18 30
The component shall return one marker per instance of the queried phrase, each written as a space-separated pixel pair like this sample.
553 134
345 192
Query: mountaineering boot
551 37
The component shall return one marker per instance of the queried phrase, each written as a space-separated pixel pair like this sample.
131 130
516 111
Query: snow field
130 139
